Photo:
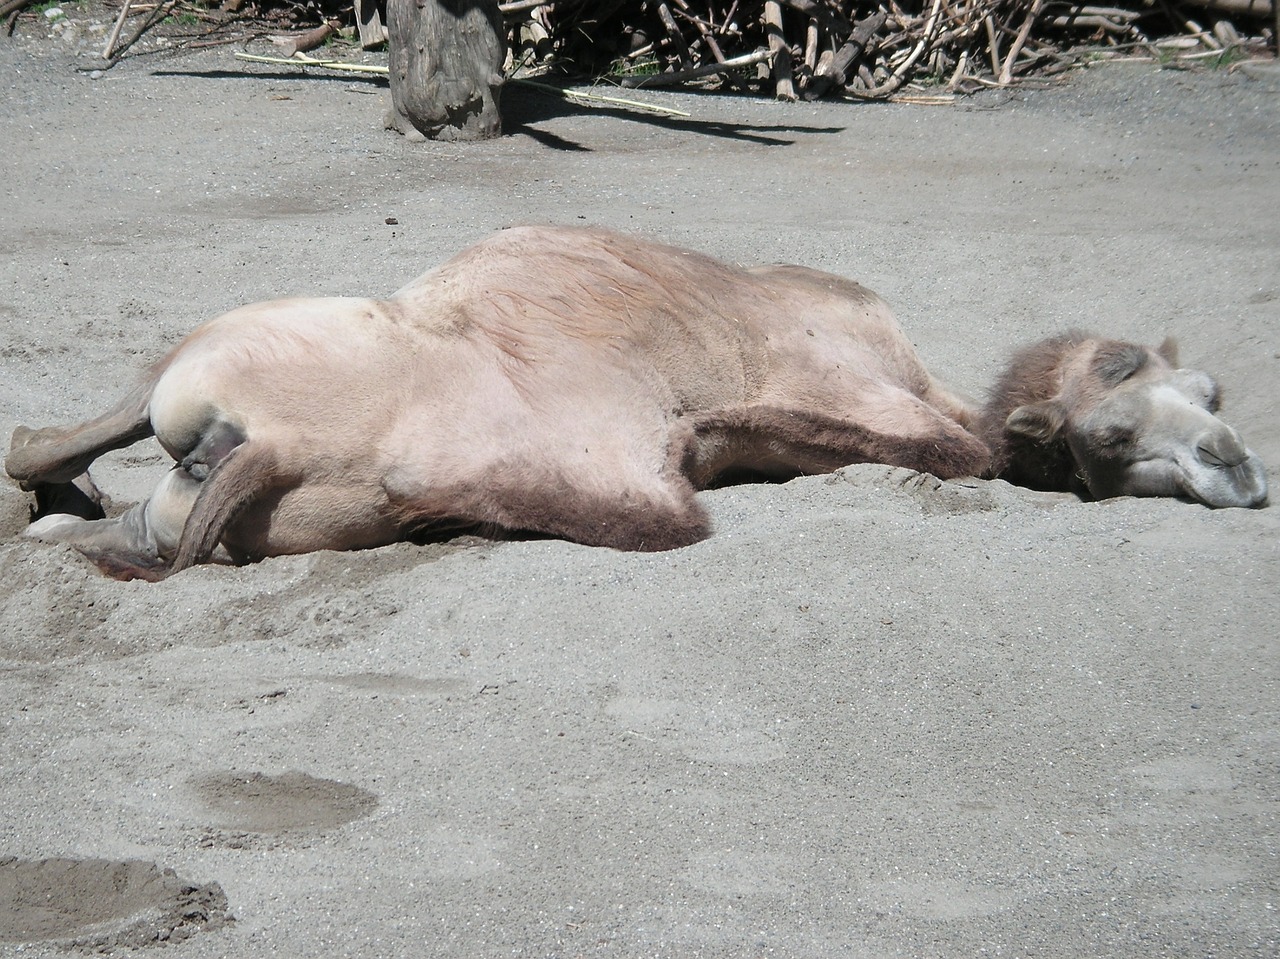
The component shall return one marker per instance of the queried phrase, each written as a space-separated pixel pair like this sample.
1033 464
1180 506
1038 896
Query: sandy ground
872 716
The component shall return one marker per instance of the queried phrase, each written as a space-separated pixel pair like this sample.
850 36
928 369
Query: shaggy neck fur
1034 374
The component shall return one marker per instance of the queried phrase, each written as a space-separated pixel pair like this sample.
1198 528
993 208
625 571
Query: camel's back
580 282
548 297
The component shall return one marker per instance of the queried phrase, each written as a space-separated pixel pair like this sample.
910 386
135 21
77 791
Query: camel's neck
1033 375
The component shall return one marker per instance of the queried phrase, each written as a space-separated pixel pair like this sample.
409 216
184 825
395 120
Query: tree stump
445 58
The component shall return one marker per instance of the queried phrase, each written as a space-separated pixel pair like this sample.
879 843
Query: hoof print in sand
259 803
103 904
932 495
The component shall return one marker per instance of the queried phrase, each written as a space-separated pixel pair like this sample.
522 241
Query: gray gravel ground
872 716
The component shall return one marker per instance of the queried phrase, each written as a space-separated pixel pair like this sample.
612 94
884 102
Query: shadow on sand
524 108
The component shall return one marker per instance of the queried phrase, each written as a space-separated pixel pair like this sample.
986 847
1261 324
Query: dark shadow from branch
523 107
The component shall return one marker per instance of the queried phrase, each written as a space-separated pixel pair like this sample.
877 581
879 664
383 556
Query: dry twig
814 48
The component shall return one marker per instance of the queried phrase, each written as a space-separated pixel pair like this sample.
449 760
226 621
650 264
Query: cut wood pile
790 49
806 49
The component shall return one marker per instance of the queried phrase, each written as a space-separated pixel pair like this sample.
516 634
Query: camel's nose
1222 448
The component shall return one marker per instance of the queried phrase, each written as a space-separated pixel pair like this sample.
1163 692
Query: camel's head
1133 424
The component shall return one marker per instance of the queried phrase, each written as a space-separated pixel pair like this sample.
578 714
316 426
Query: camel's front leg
139 543
782 443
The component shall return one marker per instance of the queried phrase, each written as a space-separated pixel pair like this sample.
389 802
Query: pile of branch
875 49
791 49
192 24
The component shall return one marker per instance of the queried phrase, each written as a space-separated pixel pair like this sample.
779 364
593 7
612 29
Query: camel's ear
1169 350
1037 421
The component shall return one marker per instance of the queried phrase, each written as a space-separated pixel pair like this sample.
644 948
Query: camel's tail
58 454
246 474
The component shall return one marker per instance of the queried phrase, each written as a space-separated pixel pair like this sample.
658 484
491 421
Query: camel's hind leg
139 543
782 443
183 521
58 454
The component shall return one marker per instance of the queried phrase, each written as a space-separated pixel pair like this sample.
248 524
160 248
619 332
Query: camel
582 384
1103 418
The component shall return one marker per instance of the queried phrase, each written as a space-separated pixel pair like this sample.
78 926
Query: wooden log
993 43
812 35
303 42
373 33
1071 11
784 86
1252 9
14 6
703 29
445 59
903 68
114 36
1091 21
958 75
830 18
1006 73
520 6
673 33
836 73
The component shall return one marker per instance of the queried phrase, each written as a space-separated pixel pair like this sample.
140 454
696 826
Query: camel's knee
44 456
26 456
639 521
22 435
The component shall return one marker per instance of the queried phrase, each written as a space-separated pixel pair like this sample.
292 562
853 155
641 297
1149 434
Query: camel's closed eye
1117 438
